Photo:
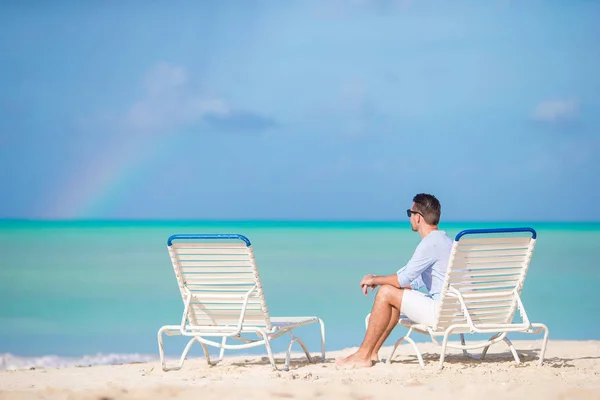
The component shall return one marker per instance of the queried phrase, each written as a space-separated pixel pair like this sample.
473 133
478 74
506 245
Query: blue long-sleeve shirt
427 266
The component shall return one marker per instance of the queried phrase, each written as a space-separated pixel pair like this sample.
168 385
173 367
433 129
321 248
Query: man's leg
388 298
392 324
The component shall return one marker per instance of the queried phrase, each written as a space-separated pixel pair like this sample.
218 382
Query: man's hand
368 282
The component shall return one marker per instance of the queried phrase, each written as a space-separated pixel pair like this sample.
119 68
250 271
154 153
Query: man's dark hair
429 207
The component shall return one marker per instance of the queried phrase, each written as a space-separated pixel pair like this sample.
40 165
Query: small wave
12 362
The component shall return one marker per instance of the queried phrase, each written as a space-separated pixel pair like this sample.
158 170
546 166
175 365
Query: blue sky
335 110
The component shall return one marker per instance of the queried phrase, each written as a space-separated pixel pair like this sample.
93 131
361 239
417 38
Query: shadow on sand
527 357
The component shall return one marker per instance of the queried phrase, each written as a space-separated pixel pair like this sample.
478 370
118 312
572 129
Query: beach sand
571 371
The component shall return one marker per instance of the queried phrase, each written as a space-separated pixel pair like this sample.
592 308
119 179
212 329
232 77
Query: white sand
571 371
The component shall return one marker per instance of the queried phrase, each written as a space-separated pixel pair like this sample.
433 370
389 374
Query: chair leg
222 352
409 340
417 352
267 340
544 340
206 354
322 325
444 345
187 350
169 331
389 360
485 350
288 354
545 343
462 341
512 350
161 351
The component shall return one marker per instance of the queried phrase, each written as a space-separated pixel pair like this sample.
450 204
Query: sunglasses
410 212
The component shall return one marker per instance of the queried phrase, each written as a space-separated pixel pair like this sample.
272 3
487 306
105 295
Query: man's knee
389 292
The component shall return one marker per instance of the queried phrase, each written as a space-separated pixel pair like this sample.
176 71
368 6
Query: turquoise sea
94 292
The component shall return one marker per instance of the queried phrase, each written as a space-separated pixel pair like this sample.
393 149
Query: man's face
413 219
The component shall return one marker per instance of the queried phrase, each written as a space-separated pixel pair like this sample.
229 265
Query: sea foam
12 362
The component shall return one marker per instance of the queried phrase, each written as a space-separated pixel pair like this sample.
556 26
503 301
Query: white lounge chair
223 298
481 293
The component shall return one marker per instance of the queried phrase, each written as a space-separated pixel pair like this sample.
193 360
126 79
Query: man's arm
372 281
417 283
406 277
388 280
413 270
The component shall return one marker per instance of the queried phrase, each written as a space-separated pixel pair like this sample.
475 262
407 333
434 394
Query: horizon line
192 220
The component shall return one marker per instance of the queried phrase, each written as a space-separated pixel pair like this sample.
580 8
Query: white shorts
418 307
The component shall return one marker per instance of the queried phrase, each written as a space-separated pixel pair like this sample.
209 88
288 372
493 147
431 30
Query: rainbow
92 191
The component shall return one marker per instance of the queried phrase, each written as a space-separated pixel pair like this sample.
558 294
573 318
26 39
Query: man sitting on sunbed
398 292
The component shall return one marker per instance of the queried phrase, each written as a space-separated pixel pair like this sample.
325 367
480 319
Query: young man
426 267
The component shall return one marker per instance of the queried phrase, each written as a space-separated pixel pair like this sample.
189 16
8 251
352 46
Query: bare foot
375 358
353 361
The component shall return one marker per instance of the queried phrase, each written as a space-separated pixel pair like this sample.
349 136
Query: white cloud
164 76
555 110
171 100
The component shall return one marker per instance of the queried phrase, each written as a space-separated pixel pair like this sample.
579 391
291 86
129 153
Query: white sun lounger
481 293
223 298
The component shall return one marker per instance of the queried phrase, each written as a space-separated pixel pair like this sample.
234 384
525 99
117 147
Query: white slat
489 296
234 251
207 321
212 257
450 321
491 311
489 247
456 274
497 240
186 270
219 306
490 305
502 318
232 245
474 286
508 307
211 276
221 283
479 303
231 315
196 287
475 279
210 298
463 266
519 253
500 314
476 317
491 260
226 313
215 264
476 308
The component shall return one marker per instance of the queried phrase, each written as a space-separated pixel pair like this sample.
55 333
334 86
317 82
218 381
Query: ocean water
86 293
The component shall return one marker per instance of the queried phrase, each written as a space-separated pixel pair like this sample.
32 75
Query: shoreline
100 359
571 369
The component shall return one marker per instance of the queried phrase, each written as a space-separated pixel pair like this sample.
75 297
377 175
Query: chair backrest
218 270
486 266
